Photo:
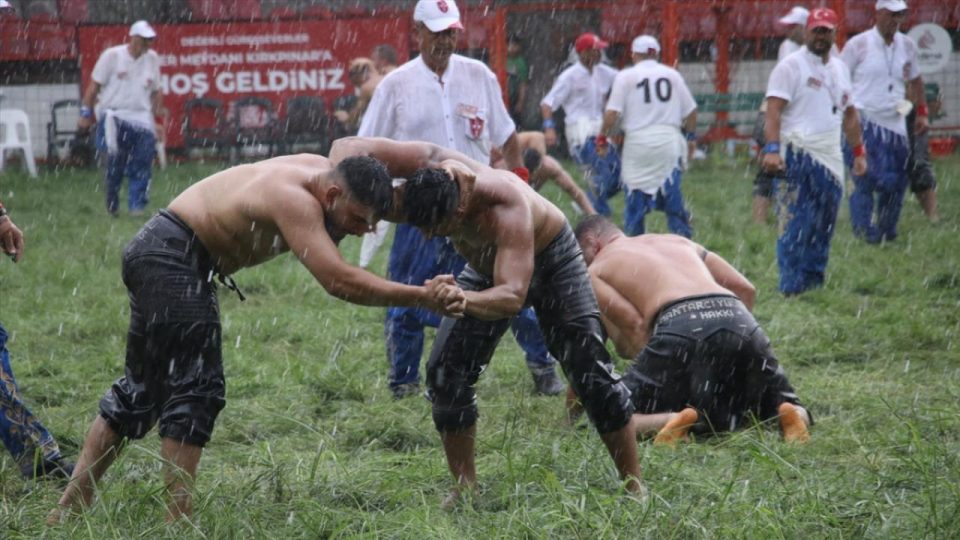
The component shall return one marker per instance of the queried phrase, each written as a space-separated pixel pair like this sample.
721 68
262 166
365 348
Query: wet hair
515 38
595 225
369 182
532 159
386 53
430 196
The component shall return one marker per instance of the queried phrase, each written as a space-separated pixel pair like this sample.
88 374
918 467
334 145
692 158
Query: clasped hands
445 297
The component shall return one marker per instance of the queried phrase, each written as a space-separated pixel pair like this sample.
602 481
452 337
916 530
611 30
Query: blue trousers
136 148
21 432
669 199
413 259
602 173
884 185
808 199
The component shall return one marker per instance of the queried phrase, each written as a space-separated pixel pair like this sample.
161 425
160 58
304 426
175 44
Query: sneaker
405 390
57 469
547 382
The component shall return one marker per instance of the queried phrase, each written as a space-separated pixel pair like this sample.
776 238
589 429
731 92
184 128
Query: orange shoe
677 428
792 424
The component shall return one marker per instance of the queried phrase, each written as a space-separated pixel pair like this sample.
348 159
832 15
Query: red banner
228 61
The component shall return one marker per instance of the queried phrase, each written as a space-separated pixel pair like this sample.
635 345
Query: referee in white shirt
454 102
883 63
581 90
125 88
659 117
808 103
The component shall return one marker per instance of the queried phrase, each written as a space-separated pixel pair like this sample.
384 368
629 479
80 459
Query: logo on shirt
442 6
814 82
466 111
476 127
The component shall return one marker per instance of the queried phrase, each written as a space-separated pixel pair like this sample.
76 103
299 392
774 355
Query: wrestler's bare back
233 212
653 270
502 204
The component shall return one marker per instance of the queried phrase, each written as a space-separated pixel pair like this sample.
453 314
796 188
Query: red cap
822 18
589 41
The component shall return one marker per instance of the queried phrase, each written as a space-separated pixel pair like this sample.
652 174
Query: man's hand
83 124
772 162
445 297
11 239
921 124
550 136
464 177
860 166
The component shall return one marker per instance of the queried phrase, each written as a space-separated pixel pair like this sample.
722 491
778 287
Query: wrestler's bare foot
58 516
793 422
677 428
458 495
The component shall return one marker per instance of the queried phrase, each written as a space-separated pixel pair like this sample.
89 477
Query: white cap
891 5
5 5
438 15
797 15
142 29
643 44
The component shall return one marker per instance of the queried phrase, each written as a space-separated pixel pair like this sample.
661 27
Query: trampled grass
312 445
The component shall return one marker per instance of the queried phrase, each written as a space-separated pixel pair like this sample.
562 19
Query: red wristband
922 110
601 140
859 150
523 173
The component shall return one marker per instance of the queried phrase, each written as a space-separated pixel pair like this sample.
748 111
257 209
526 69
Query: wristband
772 148
691 136
523 173
922 110
86 112
549 124
601 140
859 150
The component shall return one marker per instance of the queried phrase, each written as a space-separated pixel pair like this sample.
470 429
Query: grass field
312 445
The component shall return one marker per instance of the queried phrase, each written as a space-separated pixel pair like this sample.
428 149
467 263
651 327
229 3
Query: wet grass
312 446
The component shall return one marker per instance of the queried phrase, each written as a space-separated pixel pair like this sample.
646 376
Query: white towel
650 156
823 147
139 119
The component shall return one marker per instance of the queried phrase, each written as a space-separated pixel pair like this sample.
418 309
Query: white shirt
465 112
817 95
581 92
880 75
787 47
650 93
126 84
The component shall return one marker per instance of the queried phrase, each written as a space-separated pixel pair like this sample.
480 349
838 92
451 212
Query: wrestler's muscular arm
621 319
300 220
402 158
513 266
553 168
728 277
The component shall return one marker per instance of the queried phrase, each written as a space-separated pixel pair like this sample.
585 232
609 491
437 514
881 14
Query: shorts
566 307
174 370
708 352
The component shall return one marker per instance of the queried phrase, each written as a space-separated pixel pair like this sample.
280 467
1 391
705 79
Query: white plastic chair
15 134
